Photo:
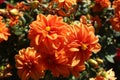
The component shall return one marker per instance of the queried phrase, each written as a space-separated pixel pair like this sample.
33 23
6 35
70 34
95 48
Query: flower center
48 28
84 46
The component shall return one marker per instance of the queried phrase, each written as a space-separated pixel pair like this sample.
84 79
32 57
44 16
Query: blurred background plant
102 14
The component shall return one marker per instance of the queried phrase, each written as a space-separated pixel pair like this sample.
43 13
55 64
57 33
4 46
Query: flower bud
93 63
35 4
104 74
100 61
2 68
14 12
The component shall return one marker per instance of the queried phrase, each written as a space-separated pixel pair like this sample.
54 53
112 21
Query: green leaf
110 58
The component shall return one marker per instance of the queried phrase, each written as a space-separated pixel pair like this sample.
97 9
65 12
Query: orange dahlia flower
21 6
83 39
13 20
115 22
57 63
4 31
103 3
82 42
116 5
100 5
115 19
75 70
28 64
46 32
66 3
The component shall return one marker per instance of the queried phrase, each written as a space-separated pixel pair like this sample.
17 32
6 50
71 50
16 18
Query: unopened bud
104 74
2 67
93 63
14 12
100 61
35 3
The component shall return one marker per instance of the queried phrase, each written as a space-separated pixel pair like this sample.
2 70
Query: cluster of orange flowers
13 13
56 46
115 21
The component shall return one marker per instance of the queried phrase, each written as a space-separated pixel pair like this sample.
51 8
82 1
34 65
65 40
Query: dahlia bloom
4 31
28 64
57 63
21 6
100 5
115 22
115 19
116 6
82 42
65 7
66 3
13 20
48 33
83 39
103 3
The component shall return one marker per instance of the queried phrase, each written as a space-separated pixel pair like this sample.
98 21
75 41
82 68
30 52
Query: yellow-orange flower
4 31
28 64
46 32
